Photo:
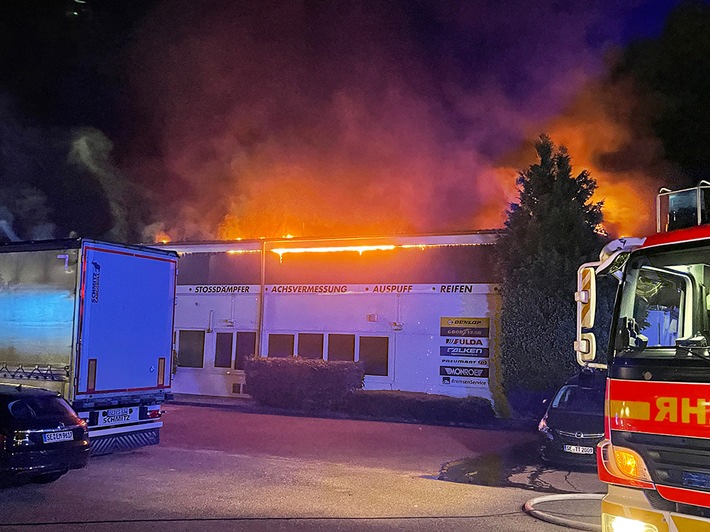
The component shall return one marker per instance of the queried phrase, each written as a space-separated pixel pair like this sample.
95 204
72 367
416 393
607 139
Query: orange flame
605 133
162 237
616 147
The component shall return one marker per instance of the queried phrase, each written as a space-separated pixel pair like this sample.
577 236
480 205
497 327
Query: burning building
420 312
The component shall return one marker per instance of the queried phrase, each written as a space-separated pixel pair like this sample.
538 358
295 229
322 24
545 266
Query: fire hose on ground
550 517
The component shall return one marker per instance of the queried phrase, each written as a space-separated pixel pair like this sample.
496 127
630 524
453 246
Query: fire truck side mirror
586 297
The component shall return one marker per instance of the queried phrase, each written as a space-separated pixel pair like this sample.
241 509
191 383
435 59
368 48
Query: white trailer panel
126 320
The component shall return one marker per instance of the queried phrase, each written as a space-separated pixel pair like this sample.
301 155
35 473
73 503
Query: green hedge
419 407
301 383
324 387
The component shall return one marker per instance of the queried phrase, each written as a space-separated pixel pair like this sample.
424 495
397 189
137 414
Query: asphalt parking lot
217 468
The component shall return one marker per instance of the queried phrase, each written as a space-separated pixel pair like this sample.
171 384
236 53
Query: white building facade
422 313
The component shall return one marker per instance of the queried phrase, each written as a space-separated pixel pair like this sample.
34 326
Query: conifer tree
550 231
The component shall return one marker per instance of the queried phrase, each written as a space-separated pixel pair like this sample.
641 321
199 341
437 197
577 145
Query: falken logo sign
446 350
456 371
472 347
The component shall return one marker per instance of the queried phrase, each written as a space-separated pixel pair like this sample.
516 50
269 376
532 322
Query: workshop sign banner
464 353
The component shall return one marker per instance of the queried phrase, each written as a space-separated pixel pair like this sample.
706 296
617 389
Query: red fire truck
655 455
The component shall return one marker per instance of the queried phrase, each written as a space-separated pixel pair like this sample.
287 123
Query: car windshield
574 398
40 407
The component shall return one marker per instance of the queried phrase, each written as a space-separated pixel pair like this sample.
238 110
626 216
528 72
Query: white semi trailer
93 321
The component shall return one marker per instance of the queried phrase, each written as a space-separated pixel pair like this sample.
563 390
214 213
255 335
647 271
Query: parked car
41 437
574 421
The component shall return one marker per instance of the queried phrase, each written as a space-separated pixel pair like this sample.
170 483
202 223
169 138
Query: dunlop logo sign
464 327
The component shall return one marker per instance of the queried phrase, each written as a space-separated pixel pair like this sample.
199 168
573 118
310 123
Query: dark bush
300 383
419 407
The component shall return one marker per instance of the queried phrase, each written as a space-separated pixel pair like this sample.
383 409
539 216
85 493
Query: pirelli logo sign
659 407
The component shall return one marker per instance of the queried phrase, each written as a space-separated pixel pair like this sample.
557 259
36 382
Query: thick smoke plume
59 183
24 210
344 118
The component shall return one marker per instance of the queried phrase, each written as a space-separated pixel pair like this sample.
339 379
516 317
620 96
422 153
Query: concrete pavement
518 467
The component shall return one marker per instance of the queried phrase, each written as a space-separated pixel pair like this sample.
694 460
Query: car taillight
21 438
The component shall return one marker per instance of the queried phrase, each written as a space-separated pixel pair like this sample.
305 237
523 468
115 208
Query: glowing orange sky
261 133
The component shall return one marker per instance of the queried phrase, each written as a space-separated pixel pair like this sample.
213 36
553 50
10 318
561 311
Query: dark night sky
205 119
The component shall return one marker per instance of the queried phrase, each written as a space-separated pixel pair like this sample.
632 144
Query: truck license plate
117 415
578 449
52 437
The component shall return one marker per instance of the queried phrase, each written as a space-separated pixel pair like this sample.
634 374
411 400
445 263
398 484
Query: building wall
423 318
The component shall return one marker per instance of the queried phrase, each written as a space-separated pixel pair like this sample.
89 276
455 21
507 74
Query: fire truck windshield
664 304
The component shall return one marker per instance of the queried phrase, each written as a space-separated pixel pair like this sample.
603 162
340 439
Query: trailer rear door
126 319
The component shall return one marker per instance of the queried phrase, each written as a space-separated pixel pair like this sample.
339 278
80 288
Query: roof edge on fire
478 237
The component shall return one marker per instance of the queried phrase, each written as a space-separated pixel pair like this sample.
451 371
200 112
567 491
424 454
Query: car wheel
47 477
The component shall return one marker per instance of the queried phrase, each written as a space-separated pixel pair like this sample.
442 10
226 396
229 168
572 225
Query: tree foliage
675 70
550 231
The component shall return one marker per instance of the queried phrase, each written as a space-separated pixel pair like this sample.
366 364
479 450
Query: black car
574 421
41 437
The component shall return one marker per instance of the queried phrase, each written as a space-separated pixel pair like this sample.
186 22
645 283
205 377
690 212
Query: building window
191 348
223 350
374 354
341 347
310 345
246 345
280 345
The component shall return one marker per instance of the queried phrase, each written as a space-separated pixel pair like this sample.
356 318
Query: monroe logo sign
456 371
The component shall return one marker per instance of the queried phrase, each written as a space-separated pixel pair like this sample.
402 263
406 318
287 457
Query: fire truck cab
655 455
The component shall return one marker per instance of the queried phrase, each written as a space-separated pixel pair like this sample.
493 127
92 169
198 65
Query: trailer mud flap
125 441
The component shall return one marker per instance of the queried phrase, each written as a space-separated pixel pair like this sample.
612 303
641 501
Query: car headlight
543 428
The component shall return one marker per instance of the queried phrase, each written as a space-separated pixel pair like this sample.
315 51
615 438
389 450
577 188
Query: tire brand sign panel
463 355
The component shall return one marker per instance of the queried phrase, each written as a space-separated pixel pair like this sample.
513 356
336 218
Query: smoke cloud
353 118
57 183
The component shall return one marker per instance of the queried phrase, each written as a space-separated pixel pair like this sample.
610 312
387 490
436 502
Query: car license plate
578 449
52 437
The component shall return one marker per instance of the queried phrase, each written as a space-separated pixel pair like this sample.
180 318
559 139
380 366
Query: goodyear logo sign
464 327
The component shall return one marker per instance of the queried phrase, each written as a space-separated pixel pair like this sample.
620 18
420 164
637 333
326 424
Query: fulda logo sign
474 347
